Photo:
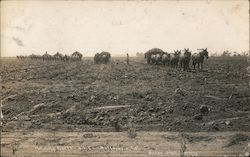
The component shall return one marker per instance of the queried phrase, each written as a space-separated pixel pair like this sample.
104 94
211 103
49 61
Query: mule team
76 56
179 58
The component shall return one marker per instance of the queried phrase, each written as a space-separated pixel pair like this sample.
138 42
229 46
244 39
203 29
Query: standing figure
127 59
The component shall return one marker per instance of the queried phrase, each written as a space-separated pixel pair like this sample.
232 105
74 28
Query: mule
184 59
198 58
66 58
155 59
165 59
174 58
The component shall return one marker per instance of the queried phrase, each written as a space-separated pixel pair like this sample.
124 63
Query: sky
121 27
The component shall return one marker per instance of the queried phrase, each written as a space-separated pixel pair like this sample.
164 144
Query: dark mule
174 58
184 59
66 58
22 57
198 58
96 58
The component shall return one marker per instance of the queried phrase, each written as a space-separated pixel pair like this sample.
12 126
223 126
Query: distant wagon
76 56
47 56
102 58
153 56
58 56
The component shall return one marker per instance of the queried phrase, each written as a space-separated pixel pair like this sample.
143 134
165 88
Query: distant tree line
234 53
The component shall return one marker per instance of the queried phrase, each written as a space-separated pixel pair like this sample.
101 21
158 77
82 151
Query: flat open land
83 96
59 103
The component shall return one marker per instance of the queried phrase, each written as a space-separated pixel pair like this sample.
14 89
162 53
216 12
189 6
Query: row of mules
176 59
76 56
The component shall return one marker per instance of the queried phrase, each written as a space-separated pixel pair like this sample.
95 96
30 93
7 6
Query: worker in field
127 59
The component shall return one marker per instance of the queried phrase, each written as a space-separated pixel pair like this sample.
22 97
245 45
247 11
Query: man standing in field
127 59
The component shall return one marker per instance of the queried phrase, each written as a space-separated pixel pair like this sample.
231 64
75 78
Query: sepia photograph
129 78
